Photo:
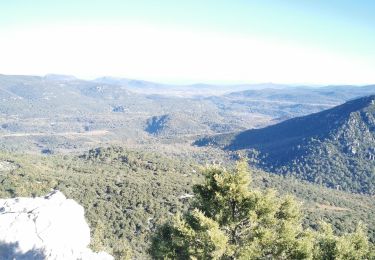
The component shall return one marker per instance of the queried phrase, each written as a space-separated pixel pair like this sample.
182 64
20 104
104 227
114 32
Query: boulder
50 227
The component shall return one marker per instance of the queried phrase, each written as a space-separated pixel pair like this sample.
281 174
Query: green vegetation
126 193
230 221
59 113
334 148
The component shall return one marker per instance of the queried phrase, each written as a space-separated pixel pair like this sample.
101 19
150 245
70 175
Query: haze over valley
322 135
187 130
57 113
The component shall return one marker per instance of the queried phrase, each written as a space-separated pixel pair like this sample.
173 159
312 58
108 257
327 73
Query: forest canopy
228 220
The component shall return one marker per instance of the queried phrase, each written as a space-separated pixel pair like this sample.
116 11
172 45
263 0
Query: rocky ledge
50 227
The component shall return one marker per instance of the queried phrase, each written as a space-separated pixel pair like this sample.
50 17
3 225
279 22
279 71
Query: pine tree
231 221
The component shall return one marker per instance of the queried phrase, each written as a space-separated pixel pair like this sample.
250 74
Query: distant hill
177 124
59 112
291 101
335 147
59 77
180 90
329 95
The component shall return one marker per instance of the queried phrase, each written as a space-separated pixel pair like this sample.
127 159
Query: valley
72 114
130 151
160 130
333 147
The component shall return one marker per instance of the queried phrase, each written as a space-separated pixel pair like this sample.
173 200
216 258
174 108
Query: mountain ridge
333 147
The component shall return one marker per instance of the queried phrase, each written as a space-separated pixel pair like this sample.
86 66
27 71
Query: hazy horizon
190 83
228 42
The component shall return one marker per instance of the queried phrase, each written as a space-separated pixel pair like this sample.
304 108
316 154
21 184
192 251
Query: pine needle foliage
231 221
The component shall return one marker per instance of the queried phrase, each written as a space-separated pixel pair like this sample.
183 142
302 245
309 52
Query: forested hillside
230 220
334 148
58 113
128 194
144 172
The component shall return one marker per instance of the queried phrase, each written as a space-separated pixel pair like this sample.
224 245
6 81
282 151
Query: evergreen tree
231 221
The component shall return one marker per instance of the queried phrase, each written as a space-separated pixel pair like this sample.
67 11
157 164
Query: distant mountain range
45 113
335 147
192 90
320 95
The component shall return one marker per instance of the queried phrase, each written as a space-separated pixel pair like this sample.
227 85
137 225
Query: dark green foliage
127 193
124 193
343 210
230 221
334 147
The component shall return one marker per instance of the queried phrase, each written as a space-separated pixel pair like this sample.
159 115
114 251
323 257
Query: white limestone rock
50 227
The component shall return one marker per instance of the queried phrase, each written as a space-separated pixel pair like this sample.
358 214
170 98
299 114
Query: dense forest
230 221
334 148
128 194
126 155
225 130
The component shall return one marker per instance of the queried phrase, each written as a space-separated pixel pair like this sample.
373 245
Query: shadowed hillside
334 147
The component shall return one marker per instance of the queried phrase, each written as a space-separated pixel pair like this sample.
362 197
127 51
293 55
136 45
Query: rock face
50 227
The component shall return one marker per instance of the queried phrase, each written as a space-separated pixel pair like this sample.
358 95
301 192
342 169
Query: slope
334 147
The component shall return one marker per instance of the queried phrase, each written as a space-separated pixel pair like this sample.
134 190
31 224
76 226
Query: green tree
347 247
231 221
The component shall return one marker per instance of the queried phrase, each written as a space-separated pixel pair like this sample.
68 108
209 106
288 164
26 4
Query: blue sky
289 41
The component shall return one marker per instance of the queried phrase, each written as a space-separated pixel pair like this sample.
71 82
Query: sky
191 41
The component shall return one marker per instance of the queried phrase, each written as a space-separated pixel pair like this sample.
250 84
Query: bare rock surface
50 227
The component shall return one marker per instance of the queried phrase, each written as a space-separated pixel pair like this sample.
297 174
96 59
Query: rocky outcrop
50 227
